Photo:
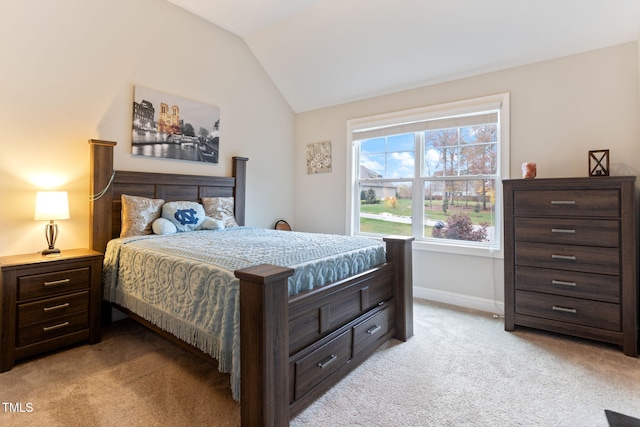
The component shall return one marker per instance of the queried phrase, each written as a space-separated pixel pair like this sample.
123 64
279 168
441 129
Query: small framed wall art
319 157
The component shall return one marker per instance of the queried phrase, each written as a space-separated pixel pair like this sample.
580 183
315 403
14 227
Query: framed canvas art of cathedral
171 127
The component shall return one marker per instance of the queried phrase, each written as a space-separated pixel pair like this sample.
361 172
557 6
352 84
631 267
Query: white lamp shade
51 205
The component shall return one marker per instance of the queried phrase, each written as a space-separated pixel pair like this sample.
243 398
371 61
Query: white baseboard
475 303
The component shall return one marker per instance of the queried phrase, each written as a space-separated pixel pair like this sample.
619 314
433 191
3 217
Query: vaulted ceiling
321 53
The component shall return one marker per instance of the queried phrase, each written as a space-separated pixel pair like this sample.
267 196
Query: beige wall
560 109
68 72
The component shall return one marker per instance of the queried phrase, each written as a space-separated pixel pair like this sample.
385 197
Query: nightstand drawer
317 366
596 314
52 328
54 283
589 232
370 330
52 308
587 203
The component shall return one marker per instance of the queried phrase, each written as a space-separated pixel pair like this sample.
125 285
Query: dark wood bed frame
287 343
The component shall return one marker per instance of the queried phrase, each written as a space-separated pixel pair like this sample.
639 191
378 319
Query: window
433 173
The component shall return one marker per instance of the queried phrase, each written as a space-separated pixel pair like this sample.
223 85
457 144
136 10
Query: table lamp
50 206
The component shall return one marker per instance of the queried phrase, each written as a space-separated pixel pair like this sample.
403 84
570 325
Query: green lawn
403 208
368 225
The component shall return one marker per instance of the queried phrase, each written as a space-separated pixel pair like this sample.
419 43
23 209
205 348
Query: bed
295 345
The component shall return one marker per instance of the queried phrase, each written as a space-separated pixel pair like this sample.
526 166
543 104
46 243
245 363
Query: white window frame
499 101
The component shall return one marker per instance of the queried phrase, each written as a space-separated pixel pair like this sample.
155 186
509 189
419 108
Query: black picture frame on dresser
570 257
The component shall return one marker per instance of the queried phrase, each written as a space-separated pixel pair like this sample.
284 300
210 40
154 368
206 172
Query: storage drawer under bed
318 365
340 305
370 330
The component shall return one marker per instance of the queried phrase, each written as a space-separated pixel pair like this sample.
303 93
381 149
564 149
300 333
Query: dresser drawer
52 328
587 259
571 310
579 203
369 331
52 308
53 283
589 232
599 287
312 369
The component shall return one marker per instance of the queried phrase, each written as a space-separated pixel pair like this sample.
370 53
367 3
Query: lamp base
54 251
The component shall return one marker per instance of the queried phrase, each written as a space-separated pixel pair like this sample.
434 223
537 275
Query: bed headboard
109 185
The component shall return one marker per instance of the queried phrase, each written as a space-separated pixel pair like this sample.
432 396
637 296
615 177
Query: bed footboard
264 344
399 254
295 349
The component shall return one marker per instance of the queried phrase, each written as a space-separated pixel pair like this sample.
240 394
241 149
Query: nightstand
48 302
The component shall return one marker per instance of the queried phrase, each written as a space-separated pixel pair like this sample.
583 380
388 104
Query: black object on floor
619 420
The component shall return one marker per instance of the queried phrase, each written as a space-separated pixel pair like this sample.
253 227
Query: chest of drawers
571 257
48 302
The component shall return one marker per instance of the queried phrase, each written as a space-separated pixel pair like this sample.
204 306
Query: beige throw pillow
138 213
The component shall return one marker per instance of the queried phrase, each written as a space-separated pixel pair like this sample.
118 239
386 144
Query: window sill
449 248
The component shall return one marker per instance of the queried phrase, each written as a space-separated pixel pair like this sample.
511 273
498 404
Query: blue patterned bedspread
184 282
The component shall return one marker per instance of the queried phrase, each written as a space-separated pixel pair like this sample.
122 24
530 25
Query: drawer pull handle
57 282
567 257
56 307
563 283
58 326
375 329
327 362
563 230
564 309
563 202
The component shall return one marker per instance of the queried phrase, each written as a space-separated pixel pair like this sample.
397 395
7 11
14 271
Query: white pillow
220 208
211 224
186 216
163 226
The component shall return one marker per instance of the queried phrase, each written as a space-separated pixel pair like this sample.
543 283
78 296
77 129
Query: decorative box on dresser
570 257
48 302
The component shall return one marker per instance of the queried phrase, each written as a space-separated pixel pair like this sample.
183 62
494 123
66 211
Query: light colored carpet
460 369
463 369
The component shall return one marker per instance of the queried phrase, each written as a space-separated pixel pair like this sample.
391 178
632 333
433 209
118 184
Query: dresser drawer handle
563 230
375 329
56 307
563 202
567 257
57 282
564 309
58 326
327 362
563 283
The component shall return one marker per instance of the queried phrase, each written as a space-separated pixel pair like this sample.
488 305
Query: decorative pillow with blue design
186 216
